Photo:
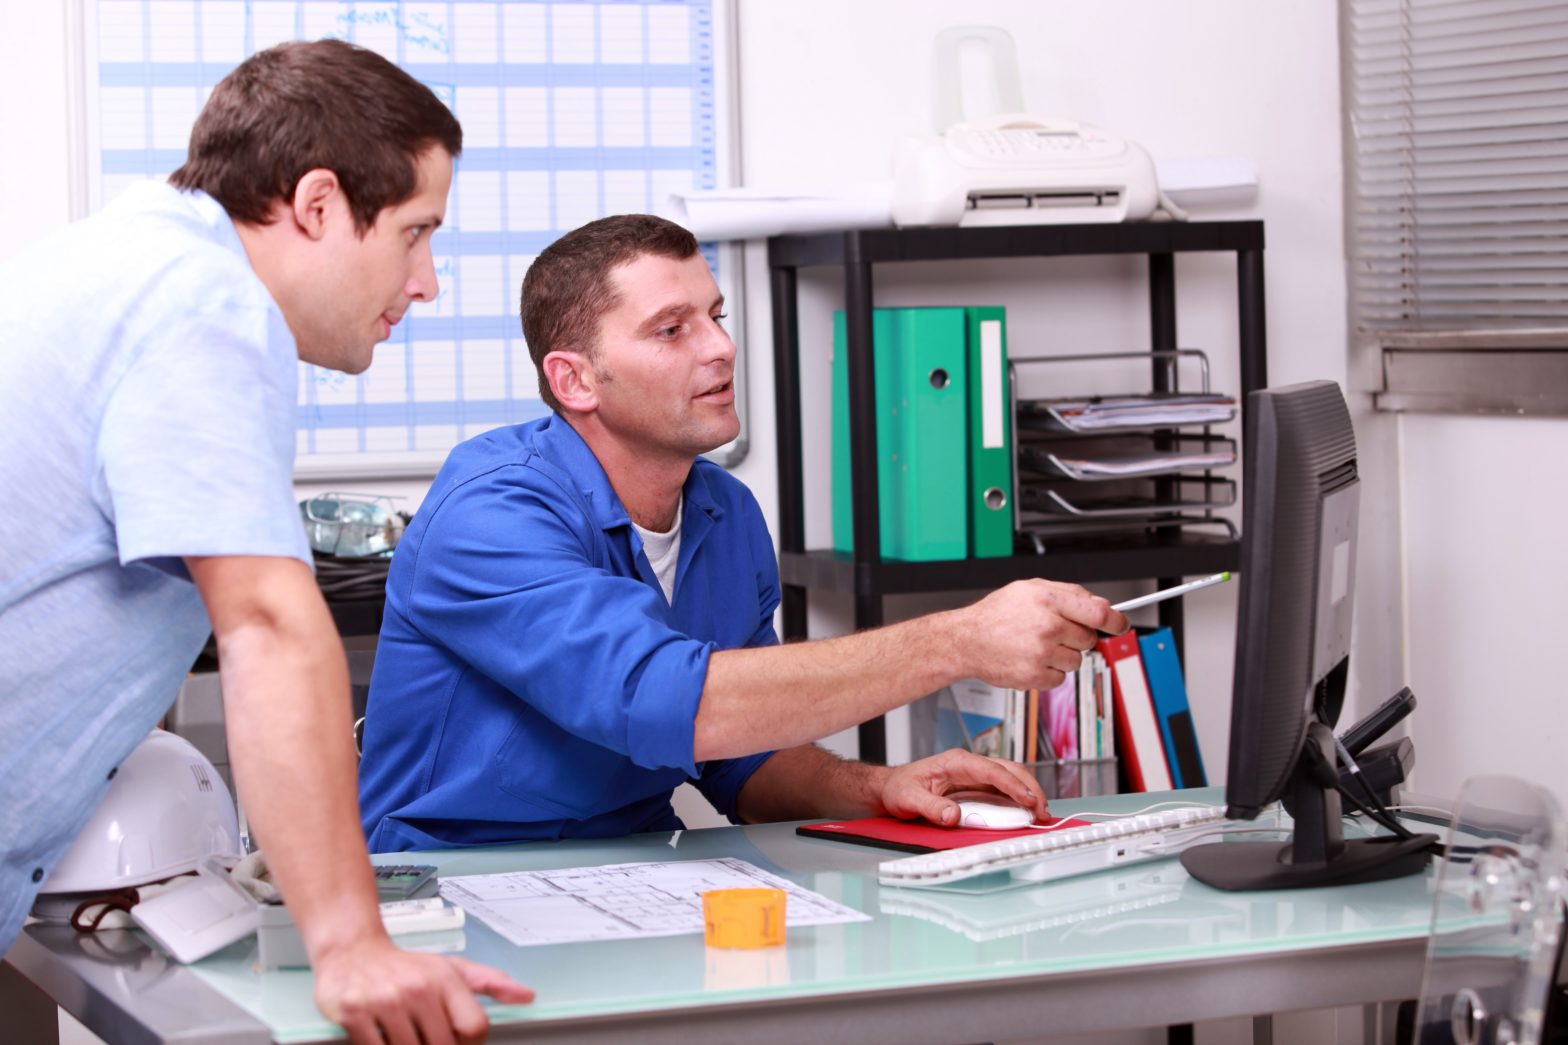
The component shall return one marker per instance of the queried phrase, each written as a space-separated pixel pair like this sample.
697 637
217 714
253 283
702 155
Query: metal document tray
1129 498
1108 459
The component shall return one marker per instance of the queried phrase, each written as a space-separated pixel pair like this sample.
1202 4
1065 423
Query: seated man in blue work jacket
580 617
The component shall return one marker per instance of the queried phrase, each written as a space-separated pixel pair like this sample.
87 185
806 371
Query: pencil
1171 593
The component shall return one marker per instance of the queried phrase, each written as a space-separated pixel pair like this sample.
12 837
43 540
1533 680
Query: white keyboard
1049 855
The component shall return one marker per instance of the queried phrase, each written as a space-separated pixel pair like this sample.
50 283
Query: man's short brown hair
568 287
300 106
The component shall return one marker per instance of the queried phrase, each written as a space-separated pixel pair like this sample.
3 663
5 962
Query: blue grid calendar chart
570 111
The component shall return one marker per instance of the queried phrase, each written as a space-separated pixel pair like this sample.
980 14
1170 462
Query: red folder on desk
919 836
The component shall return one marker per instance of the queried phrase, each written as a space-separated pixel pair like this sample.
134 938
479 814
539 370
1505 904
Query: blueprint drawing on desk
623 901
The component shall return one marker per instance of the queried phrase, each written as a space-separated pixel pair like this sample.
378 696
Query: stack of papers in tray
1099 413
1152 463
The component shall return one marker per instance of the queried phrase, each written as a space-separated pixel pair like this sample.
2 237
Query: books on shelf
1069 724
1060 715
1097 723
994 721
973 714
1127 701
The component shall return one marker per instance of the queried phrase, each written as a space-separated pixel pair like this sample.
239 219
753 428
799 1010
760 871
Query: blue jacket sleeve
722 779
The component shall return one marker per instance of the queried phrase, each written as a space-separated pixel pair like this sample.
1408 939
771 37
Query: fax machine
1021 170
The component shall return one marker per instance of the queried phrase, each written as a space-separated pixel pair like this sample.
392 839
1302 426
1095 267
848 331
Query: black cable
1382 815
356 578
1382 819
1387 820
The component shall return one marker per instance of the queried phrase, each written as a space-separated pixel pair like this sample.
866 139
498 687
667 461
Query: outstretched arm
285 688
1026 635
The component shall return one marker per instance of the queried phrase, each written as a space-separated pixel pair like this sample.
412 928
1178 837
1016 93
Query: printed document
1152 463
623 901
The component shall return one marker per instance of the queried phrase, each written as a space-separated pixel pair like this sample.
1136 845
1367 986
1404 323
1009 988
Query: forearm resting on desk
807 781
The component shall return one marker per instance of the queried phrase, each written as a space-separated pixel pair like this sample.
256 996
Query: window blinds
1457 115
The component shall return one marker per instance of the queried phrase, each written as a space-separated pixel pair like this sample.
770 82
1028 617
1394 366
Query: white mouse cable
1174 802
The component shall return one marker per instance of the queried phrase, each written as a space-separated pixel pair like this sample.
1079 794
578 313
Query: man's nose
423 285
719 344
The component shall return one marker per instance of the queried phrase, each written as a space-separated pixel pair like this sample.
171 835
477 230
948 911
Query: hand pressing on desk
379 993
921 789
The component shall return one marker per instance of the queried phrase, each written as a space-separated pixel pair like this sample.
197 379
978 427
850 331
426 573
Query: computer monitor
1298 570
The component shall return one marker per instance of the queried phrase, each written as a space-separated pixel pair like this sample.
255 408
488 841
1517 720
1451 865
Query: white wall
1485 564
34 176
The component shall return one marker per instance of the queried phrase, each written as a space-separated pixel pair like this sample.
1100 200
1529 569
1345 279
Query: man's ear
572 381
315 196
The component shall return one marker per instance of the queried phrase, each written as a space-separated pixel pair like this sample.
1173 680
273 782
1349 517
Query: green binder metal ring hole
995 499
939 378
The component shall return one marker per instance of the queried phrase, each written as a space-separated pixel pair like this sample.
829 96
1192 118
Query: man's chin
722 437
345 359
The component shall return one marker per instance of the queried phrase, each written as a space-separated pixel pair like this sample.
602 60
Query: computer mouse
993 816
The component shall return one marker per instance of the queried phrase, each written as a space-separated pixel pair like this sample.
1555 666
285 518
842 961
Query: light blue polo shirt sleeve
510 586
195 451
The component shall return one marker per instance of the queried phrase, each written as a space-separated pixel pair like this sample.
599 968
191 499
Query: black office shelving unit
1165 557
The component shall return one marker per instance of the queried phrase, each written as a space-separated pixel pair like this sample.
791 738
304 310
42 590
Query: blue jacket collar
560 444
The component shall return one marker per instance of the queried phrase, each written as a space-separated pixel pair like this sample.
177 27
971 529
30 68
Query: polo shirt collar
216 218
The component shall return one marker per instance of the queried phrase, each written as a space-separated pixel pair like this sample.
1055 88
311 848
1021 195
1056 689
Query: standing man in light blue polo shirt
148 367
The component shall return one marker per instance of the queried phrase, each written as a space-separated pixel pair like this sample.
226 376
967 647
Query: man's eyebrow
677 311
667 313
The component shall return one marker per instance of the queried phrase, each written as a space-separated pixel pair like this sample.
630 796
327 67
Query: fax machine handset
1015 169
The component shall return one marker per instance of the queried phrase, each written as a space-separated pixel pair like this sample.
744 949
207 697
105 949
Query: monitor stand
1318 852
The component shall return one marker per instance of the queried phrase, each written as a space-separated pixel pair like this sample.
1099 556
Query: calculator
405 881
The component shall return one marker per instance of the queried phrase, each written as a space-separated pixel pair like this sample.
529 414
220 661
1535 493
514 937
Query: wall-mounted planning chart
570 111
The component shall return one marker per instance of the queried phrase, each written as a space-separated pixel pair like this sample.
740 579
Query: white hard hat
165 810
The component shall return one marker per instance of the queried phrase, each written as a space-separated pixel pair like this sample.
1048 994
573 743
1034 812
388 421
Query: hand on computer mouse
932 787
992 814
